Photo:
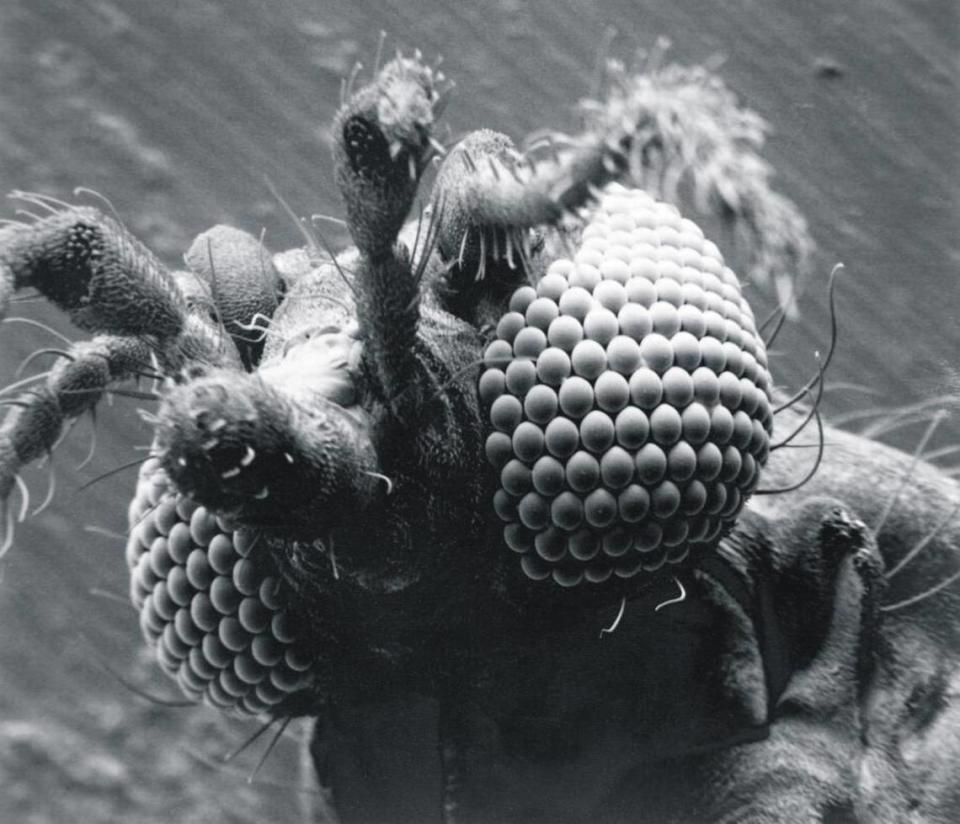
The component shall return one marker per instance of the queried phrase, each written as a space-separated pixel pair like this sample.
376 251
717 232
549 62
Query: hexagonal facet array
209 603
630 399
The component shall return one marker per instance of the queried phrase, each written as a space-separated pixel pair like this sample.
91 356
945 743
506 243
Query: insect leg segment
89 265
74 385
382 144
243 444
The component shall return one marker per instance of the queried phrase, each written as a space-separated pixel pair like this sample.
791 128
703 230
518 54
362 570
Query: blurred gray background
177 111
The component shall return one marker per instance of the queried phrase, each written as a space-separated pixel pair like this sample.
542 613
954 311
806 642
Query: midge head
327 422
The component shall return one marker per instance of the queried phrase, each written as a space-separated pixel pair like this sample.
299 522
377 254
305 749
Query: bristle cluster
629 395
208 602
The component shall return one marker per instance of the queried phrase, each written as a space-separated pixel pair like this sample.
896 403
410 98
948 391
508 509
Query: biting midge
318 528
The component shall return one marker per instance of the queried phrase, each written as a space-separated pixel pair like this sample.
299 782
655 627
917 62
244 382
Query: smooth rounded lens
665 425
266 650
204 614
597 431
165 515
552 286
562 437
648 536
669 283
159 559
696 423
731 392
616 468
548 476
253 616
224 595
535 568
162 602
640 290
686 351
566 511
527 345
509 325
665 318
505 506
691 320
199 571
283 628
232 635
735 362
491 386
632 428
717 496
646 388
612 392
576 302
520 378
270 593
709 462
635 321
597 573
528 441
541 313
515 478
623 355
732 464
576 397
498 448
199 664
656 352
583 545
518 538
742 430
247 669
179 587
611 295
565 333
615 269
651 464
586 276
553 366
721 425
216 654
203 526
589 359
245 541
583 472
179 542
677 387
681 461
617 541
694 498
186 507
506 413
712 355
522 298
600 508
534 511
633 503
675 533
186 628
706 386
550 544
665 499
600 324
245 577
221 554
540 404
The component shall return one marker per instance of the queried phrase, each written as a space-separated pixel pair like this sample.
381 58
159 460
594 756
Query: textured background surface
177 111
